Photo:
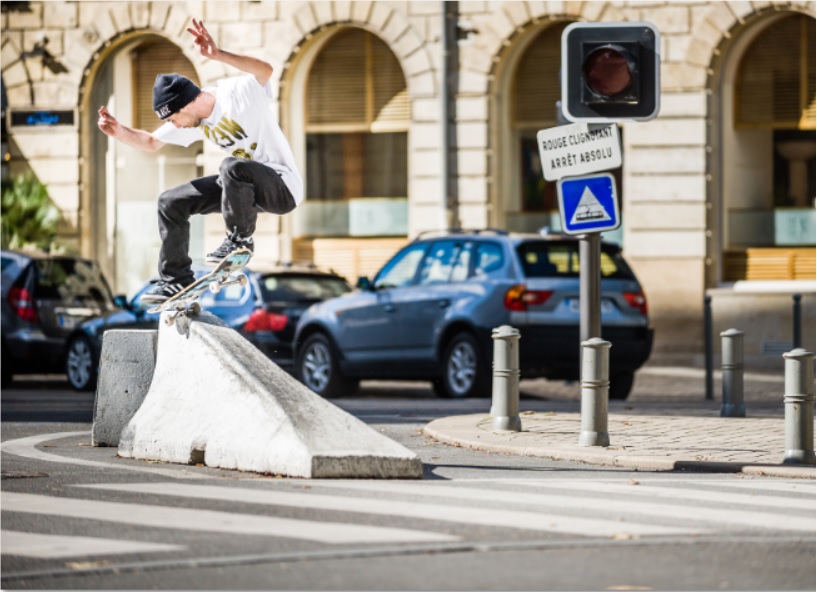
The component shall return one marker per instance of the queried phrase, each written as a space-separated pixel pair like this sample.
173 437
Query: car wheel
317 368
464 374
80 365
621 385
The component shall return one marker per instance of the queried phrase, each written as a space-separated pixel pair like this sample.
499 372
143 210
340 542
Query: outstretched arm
208 48
132 137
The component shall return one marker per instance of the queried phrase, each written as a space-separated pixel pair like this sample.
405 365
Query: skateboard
184 303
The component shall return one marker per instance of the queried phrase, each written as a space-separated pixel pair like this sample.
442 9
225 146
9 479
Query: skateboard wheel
169 320
215 287
195 308
242 280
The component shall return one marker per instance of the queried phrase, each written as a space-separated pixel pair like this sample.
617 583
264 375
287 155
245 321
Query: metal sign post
590 286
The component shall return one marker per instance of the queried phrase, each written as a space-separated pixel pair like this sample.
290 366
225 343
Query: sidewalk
650 431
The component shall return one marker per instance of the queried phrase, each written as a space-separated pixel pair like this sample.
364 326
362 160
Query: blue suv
428 314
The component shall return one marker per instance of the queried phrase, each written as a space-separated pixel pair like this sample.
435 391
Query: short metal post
595 391
732 365
709 353
797 327
799 403
505 395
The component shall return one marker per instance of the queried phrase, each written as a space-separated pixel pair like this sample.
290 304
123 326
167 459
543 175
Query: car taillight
637 300
22 303
518 297
261 320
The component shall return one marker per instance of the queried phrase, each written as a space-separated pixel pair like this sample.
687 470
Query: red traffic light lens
607 72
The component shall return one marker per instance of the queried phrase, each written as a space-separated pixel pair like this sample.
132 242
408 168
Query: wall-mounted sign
41 117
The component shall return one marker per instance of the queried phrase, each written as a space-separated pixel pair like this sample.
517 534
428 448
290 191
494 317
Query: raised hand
107 122
202 40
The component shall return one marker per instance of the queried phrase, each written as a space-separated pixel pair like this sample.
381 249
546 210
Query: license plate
606 305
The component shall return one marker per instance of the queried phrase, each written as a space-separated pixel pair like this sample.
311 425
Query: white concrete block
125 373
217 399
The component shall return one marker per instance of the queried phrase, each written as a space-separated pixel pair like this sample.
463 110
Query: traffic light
610 72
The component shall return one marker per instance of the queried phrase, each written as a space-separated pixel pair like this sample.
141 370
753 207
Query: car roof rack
449 231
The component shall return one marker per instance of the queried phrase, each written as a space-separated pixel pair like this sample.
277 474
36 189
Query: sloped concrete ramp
217 399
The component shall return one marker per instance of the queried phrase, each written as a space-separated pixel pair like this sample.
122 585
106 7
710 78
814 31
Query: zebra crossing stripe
212 521
51 546
784 486
671 491
744 518
537 521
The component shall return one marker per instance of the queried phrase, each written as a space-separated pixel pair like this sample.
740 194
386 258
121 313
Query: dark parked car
43 299
265 311
429 313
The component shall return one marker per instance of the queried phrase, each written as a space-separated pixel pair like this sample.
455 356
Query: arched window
769 156
357 117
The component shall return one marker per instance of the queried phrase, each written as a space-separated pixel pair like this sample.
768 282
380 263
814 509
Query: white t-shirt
243 125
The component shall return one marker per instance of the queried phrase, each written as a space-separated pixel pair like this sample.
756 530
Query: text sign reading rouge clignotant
575 149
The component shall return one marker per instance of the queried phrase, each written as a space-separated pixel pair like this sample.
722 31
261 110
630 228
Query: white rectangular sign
573 150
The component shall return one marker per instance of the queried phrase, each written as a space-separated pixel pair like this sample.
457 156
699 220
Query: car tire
317 367
80 364
621 385
463 373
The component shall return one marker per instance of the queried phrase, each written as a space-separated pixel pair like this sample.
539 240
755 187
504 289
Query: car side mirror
363 283
121 301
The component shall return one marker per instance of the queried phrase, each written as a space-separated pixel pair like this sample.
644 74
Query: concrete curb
474 432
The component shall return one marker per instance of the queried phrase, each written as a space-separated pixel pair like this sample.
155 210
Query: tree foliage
29 218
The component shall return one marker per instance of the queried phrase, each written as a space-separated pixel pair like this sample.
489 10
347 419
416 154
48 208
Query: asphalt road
78 517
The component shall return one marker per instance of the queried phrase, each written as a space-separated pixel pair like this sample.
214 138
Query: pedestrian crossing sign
588 204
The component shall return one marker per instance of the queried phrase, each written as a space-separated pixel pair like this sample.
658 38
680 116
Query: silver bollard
732 365
799 402
595 392
505 395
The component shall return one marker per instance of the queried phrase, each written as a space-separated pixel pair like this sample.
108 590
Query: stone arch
380 18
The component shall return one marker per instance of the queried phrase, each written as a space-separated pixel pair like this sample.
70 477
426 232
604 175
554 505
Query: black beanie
171 93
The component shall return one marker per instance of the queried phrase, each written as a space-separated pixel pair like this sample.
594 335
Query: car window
72 281
438 263
400 271
543 259
229 295
5 262
489 259
302 287
462 263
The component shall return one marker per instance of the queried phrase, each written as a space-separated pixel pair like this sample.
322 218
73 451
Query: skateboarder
258 175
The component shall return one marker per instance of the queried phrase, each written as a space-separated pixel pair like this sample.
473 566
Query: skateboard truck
194 308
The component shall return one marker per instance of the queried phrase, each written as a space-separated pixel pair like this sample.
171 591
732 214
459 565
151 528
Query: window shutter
776 77
149 60
357 81
536 85
336 91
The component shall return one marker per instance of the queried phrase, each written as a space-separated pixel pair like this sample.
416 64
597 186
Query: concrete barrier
125 371
216 399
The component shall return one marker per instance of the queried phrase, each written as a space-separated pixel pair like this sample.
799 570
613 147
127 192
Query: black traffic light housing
610 72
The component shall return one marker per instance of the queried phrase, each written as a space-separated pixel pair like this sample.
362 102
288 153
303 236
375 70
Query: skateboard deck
185 302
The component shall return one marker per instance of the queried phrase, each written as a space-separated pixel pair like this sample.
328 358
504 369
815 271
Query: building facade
717 193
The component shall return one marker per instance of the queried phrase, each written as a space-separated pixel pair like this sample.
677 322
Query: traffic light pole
590 286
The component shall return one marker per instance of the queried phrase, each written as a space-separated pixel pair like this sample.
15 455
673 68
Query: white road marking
744 518
212 521
49 546
27 448
670 491
439 513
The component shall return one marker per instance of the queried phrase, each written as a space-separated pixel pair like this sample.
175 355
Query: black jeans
240 190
